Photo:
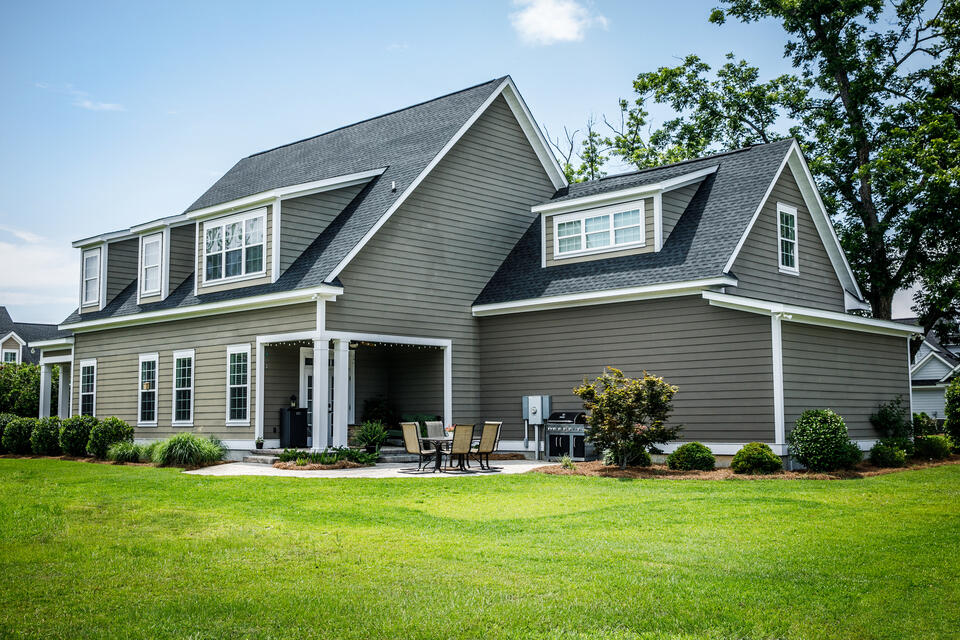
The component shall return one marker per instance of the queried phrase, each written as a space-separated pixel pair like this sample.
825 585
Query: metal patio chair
489 439
460 445
414 445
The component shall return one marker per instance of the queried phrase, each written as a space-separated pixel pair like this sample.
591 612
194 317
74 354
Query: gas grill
565 436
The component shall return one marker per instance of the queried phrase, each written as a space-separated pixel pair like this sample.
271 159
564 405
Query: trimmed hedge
692 456
883 455
756 458
107 432
75 434
16 437
5 419
927 447
819 441
45 439
187 450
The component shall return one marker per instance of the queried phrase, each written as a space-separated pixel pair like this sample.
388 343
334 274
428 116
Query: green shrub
45 439
904 444
5 419
125 451
148 451
882 455
372 433
566 462
952 411
924 425
819 441
187 450
329 456
638 458
756 458
892 419
75 433
16 437
927 447
691 456
107 432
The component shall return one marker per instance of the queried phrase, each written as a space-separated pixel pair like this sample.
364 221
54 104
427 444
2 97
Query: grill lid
568 417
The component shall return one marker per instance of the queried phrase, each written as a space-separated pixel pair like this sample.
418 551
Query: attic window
91 277
787 238
234 247
598 230
150 263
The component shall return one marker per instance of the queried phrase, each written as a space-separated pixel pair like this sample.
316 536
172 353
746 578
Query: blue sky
119 112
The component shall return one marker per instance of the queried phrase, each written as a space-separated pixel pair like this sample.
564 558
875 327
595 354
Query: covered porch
55 353
366 376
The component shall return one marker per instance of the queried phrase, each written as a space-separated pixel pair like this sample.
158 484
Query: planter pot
259 445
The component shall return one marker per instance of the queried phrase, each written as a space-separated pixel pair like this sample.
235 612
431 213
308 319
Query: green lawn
104 552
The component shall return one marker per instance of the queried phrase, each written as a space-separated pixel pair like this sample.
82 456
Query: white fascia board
621 195
212 308
534 135
103 238
17 338
55 343
950 374
806 315
283 193
162 223
627 294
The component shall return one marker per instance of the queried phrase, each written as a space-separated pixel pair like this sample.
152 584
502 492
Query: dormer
583 226
164 257
108 264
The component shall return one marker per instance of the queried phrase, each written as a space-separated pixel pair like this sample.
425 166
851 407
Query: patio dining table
438 443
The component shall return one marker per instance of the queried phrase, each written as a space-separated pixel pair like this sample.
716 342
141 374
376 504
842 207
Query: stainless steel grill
564 433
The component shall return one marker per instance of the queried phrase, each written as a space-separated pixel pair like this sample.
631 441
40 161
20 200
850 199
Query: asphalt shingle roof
29 332
698 247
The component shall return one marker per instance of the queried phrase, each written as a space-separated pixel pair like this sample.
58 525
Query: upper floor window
234 247
91 276
598 230
150 266
787 237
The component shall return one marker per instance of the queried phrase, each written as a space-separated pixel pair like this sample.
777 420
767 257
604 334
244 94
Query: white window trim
231 349
185 353
795 269
16 355
83 365
144 240
222 222
592 213
84 301
147 357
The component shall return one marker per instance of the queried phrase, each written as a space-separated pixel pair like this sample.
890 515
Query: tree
20 389
875 111
628 415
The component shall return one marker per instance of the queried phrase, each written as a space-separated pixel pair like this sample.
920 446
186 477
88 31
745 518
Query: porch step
260 459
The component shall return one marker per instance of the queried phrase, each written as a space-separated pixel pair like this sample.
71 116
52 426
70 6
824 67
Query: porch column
46 384
321 355
448 385
63 397
341 383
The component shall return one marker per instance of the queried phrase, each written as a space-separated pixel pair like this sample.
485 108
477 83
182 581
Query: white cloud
545 22
83 103
22 234
81 99
39 275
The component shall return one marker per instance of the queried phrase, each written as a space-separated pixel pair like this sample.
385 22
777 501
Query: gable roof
27 332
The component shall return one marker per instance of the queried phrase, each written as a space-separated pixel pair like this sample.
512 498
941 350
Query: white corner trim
543 241
778 405
657 221
627 294
806 315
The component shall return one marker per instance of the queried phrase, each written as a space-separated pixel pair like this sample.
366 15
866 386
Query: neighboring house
15 339
934 367
436 257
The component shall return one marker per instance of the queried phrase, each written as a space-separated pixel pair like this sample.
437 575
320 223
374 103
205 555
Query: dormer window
91 277
150 267
787 238
607 229
235 247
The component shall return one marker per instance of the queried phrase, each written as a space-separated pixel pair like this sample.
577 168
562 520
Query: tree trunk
882 306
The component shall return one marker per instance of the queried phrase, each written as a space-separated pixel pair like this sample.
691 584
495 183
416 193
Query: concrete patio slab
387 470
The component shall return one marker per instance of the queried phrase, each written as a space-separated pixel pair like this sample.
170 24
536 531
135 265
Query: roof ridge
382 115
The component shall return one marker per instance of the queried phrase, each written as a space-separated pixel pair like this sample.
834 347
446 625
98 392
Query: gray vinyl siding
851 372
122 260
56 353
11 344
117 353
933 369
931 401
648 246
183 242
673 204
421 272
303 219
722 361
757 266
239 284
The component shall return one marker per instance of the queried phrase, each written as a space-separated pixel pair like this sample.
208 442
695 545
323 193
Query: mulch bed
598 469
339 464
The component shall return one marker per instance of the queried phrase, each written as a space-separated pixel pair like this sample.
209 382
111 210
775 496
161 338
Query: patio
384 470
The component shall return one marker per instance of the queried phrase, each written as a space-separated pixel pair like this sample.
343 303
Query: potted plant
259 443
371 435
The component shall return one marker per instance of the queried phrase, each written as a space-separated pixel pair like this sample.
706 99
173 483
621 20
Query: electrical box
535 408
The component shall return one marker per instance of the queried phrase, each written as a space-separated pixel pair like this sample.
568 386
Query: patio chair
460 445
489 439
435 429
413 444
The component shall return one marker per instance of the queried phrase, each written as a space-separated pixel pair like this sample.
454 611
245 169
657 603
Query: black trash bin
293 428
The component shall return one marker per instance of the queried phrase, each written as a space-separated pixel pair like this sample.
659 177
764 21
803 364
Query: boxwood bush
16 437
926 448
45 439
883 455
756 458
691 456
5 419
819 441
187 450
125 451
75 434
105 433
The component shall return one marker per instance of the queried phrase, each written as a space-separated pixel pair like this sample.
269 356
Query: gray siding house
435 258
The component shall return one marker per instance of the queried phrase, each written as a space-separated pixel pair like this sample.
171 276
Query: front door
306 392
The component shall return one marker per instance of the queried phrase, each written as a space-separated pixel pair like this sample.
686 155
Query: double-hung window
607 229
183 387
150 268
235 247
238 384
147 398
90 293
787 238
11 356
88 388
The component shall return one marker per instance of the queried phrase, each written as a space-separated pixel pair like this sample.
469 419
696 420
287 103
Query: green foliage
75 434
952 410
639 457
567 462
20 389
892 419
45 439
148 451
924 425
380 409
904 444
819 441
882 455
107 432
372 433
691 456
328 456
932 447
16 437
187 450
5 419
125 451
628 415
756 458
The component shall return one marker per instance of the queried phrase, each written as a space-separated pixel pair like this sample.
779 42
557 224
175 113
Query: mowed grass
96 551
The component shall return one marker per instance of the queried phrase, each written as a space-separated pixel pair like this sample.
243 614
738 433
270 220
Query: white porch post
448 385
63 397
341 383
258 403
321 354
46 385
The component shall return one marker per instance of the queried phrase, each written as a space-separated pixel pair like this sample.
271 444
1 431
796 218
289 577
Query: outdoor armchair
489 439
413 444
460 445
